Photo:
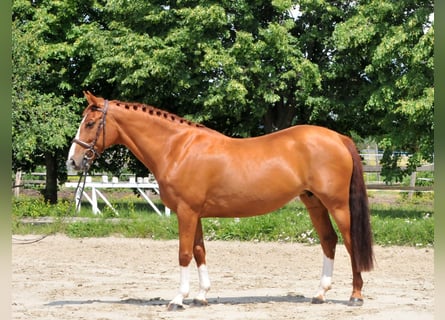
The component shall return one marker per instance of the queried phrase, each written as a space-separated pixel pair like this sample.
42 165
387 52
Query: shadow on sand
219 300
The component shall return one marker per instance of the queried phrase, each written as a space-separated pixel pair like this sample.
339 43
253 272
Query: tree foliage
242 67
42 107
392 44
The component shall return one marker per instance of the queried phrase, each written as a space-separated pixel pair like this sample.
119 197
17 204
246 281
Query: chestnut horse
203 173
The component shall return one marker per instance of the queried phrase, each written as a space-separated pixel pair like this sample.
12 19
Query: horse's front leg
200 258
190 243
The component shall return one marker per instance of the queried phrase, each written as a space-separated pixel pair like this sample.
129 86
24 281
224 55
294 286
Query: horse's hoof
317 300
355 302
199 303
175 307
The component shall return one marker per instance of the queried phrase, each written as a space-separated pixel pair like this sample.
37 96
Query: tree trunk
50 192
279 117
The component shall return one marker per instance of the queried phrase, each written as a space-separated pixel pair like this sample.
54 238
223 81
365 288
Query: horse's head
90 140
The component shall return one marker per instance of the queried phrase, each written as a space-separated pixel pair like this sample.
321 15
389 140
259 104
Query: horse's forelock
91 107
87 109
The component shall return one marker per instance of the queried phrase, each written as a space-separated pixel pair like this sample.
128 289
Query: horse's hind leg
341 215
328 240
342 219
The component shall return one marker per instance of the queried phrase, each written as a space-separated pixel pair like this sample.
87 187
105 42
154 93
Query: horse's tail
361 235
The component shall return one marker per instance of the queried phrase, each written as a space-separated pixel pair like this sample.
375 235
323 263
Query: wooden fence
378 185
38 179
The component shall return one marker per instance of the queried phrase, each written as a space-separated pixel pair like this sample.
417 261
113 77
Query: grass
290 223
407 225
405 222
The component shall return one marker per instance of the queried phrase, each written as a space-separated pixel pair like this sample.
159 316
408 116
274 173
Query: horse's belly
245 205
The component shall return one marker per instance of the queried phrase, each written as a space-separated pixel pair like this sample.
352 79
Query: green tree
44 105
242 67
335 104
233 65
385 51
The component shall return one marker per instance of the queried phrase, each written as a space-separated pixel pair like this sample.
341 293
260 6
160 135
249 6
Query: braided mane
153 111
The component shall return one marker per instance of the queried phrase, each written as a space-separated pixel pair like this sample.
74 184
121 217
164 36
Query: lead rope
68 211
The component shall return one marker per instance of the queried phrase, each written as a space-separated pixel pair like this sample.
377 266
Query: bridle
91 147
91 150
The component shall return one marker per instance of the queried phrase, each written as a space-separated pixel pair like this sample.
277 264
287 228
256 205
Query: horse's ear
92 100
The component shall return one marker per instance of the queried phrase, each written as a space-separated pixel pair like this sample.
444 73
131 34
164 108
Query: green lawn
402 222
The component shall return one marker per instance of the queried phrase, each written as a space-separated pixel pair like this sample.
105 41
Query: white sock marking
184 286
326 276
204 282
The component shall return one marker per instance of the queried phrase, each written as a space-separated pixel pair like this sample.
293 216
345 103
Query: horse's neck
148 137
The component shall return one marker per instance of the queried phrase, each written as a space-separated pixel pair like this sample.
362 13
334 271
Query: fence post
18 181
412 184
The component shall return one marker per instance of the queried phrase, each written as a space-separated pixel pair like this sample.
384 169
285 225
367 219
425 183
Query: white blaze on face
73 145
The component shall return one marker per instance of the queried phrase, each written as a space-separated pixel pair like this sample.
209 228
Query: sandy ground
117 278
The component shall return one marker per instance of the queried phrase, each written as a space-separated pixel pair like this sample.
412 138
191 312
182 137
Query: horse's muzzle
72 164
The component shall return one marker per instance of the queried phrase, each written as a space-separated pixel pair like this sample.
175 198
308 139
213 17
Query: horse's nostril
70 163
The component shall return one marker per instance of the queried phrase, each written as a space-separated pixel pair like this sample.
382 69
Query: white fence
142 185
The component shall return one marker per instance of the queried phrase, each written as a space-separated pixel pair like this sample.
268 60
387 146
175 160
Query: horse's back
304 145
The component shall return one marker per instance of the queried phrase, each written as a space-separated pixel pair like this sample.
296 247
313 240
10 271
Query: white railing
140 184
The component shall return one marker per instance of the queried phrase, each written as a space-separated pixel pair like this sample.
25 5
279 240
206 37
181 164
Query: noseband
91 147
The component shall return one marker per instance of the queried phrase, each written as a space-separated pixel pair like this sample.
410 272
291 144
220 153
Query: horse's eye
90 124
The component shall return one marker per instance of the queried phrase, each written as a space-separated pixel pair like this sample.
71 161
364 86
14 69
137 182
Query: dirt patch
118 278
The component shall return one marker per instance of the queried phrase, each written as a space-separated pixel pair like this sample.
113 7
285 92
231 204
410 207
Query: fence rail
367 169
378 168
377 185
